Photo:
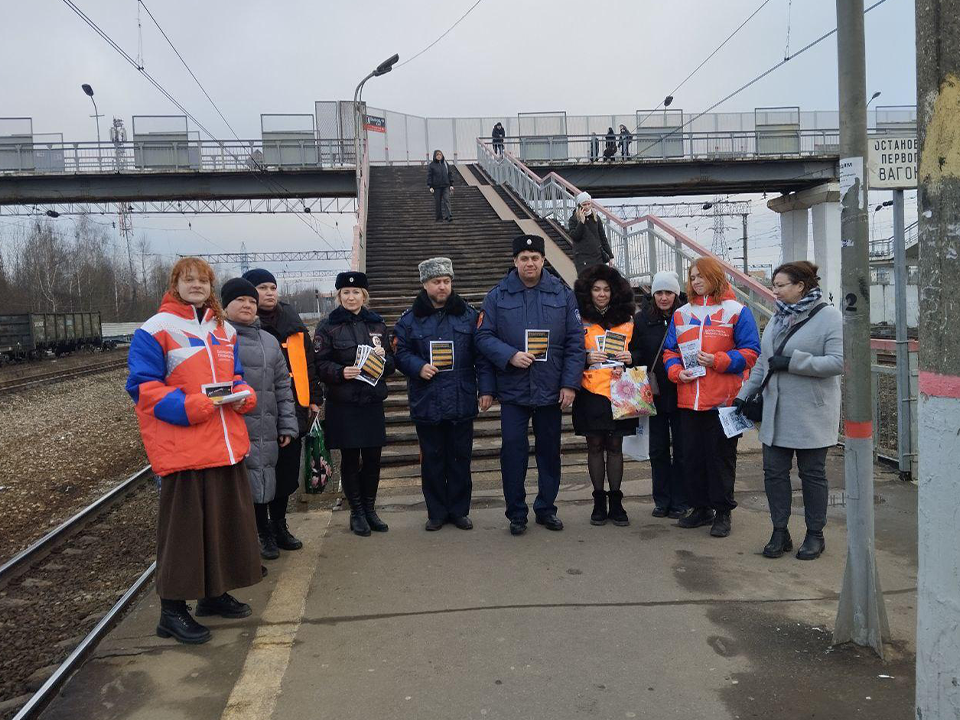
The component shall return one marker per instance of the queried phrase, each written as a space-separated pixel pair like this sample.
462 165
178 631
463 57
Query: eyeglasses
783 285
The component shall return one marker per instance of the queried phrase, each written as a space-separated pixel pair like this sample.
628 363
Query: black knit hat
351 279
533 243
259 275
238 287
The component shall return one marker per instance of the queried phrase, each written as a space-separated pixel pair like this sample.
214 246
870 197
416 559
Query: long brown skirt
206 534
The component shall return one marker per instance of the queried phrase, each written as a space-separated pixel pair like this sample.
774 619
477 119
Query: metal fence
887 404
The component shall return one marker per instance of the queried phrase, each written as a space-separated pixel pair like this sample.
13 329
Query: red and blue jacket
171 356
729 332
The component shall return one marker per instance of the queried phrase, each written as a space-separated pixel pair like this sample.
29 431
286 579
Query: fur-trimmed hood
422 307
622 306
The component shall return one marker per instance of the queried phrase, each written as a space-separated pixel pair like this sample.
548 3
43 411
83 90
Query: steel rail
15 384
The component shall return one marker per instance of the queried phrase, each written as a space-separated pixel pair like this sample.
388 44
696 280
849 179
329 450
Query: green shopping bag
317 467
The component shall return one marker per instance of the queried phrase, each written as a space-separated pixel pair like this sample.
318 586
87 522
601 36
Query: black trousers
441 196
288 478
811 464
709 460
360 469
446 450
666 461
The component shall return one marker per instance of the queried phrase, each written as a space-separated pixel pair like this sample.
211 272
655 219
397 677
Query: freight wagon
29 336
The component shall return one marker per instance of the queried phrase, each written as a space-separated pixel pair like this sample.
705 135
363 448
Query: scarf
787 314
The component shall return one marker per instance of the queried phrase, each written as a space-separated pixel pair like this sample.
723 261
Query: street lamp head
875 95
668 101
387 65
87 89
53 213
707 205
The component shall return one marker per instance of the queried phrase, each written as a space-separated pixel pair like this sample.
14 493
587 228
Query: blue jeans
515 455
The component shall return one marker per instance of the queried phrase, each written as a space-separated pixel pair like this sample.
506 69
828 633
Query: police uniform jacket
450 394
335 343
509 310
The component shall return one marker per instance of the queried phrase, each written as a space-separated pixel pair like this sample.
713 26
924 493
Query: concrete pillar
826 248
793 234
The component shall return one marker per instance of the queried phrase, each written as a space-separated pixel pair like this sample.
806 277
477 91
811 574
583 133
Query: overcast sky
504 58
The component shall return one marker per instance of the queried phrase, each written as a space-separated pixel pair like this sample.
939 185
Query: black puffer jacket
439 174
335 342
650 325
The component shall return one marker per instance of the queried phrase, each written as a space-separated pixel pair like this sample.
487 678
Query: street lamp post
381 69
96 114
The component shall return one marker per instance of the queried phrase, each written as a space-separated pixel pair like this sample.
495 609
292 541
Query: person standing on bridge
590 245
435 348
179 360
440 182
530 330
284 323
720 345
355 423
625 139
610 146
497 136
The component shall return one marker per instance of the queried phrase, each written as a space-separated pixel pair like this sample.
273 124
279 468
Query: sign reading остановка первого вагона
893 162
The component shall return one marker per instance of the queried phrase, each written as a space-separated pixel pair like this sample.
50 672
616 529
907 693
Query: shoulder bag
753 405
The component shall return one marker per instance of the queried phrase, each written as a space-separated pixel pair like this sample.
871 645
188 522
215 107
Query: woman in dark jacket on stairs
666 462
354 422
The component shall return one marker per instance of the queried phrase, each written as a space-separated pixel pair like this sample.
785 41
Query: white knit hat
583 197
666 280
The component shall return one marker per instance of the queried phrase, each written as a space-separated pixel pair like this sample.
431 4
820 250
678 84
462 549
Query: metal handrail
641 246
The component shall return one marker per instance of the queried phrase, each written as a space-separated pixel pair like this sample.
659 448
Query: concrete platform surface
647 621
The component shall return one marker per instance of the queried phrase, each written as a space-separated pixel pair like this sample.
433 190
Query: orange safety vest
598 381
297 358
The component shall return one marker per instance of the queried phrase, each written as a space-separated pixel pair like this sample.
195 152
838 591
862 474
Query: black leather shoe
376 524
812 548
659 512
675 514
433 525
285 540
780 542
697 518
464 523
518 527
268 546
180 625
550 522
225 606
721 524
263 571
358 523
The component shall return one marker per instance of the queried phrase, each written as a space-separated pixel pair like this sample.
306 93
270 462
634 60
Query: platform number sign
372 123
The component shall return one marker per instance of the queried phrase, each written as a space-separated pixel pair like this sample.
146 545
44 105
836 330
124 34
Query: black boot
177 622
812 548
697 517
780 542
225 605
285 539
268 543
376 524
618 516
721 524
370 482
599 514
358 520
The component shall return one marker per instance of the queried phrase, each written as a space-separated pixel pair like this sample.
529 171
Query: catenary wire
447 32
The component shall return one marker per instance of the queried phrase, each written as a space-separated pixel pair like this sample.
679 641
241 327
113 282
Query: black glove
739 404
778 363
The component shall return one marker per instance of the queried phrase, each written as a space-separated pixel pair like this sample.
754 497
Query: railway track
61 562
24 383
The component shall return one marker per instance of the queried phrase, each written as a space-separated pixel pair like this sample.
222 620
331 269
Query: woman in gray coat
273 424
801 403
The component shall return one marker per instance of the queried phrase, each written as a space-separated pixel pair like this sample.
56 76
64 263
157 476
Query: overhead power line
447 32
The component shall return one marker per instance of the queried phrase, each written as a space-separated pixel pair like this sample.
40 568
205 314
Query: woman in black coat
354 421
665 457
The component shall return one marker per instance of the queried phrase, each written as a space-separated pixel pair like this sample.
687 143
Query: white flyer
734 423
688 351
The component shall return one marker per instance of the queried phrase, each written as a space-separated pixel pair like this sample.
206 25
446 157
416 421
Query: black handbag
753 405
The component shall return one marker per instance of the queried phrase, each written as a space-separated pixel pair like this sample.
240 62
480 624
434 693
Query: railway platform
647 621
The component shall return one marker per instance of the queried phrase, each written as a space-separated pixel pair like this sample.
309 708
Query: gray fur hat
435 267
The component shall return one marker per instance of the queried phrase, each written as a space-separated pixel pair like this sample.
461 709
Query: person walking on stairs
272 425
530 330
440 182
355 422
206 533
284 323
606 305
435 348
590 245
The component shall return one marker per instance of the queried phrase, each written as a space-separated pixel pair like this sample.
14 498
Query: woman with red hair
180 359
711 344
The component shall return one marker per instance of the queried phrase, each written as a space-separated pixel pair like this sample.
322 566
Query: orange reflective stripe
298 368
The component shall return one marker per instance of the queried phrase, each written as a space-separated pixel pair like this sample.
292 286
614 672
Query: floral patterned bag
630 394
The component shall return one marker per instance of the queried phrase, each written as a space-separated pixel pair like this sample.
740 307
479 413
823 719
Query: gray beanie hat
666 280
435 267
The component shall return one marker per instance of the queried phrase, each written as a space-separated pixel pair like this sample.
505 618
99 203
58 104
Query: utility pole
746 264
861 614
938 199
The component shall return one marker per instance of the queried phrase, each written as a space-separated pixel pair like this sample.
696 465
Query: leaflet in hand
733 423
538 344
689 350
371 365
441 354
600 342
222 393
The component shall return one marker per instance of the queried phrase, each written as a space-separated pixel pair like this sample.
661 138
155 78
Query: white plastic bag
637 446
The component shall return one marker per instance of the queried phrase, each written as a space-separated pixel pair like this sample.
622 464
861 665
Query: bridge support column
824 201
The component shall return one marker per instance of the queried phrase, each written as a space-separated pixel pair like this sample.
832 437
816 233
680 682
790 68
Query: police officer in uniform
434 347
530 329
